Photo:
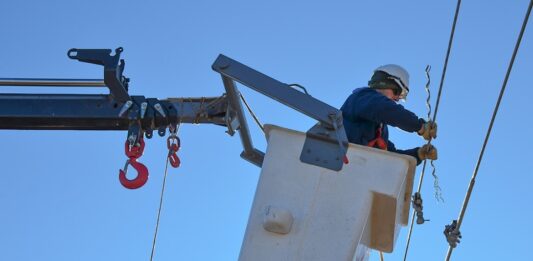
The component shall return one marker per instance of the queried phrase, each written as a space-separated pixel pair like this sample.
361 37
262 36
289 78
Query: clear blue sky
59 192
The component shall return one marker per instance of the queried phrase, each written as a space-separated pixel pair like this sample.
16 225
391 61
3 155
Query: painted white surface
329 211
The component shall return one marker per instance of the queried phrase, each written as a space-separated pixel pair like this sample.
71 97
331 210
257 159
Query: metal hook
137 182
173 145
173 157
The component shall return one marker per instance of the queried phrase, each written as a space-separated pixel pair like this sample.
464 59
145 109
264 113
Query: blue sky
60 195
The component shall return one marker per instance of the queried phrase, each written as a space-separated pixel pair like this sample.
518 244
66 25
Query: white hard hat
399 75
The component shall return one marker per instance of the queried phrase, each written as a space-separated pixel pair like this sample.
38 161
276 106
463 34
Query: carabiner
137 182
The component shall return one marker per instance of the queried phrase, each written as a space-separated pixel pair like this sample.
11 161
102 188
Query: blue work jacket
366 109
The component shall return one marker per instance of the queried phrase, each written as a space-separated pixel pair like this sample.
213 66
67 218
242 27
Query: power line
435 115
473 180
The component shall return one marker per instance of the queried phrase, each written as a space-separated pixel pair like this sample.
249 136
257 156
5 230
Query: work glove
427 151
428 130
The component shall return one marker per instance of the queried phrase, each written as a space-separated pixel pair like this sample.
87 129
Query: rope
199 111
252 113
161 203
473 180
159 212
434 115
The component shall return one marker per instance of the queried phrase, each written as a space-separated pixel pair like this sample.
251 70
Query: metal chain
435 112
487 136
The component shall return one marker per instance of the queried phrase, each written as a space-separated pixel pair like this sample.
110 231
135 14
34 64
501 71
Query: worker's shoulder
363 99
366 95
362 90
365 91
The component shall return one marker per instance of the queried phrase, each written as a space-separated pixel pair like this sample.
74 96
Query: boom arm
325 146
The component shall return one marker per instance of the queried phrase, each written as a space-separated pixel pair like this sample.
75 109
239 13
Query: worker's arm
427 151
378 108
411 152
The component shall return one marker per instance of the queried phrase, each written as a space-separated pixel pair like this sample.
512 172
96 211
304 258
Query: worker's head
391 80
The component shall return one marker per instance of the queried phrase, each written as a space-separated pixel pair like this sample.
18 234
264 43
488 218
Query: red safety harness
378 142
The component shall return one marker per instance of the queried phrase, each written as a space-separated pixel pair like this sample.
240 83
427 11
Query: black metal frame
325 146
99 112
113 68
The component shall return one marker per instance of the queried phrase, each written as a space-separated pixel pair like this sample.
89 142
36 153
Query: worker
368 111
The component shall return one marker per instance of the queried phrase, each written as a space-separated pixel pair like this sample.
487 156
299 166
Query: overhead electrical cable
435 115
487 136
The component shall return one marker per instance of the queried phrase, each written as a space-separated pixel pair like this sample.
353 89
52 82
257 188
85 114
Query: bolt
223 66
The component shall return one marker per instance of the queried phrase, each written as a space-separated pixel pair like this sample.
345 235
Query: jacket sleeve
378 108
411 152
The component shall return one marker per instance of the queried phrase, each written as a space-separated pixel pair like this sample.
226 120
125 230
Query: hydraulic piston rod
52 82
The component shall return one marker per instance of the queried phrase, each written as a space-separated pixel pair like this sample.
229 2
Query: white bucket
305 212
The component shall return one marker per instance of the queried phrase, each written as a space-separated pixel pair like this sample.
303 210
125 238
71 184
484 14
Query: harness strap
378 142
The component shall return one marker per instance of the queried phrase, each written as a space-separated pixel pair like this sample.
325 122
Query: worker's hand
428 130
427 151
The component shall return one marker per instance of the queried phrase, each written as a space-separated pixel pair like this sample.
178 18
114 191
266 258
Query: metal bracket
134 133
255 157
452 234
230 118
326 142
113 68
417 205
321 148
125 108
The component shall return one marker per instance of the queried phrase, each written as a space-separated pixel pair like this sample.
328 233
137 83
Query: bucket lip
412 161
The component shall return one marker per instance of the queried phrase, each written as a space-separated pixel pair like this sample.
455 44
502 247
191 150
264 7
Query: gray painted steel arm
326 142
277 90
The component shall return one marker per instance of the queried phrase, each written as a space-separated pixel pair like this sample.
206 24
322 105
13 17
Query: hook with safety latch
133 152
173 145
